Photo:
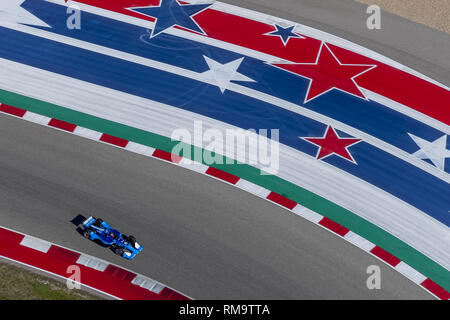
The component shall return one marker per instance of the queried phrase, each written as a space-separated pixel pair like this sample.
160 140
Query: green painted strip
395 246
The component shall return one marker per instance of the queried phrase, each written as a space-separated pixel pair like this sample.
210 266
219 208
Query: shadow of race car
97 229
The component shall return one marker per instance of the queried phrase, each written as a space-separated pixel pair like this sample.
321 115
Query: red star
328 73
332 143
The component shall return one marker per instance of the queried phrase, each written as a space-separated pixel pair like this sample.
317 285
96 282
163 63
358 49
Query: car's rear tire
87 234
118 251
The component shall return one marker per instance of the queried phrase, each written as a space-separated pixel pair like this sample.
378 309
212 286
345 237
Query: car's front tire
132 240
118 251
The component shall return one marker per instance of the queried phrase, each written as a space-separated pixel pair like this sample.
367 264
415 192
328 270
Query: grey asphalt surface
200 236
415 45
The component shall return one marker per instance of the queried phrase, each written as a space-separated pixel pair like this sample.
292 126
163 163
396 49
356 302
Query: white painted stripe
36 244
397 152
412 274
92 262
307 214
359 241
252 188
158 288
140 148
87 133
36 118
192 165
143 282
148 284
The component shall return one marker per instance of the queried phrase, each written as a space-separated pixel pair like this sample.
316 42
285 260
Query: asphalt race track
202 237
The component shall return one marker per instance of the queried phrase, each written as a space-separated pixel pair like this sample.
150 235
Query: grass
17 283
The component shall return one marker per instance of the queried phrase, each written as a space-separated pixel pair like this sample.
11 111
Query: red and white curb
97 274
250 187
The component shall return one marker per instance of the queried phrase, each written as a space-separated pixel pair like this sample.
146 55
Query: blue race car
97 229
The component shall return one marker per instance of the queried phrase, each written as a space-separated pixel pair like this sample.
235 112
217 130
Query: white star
12 12
435 151
223 74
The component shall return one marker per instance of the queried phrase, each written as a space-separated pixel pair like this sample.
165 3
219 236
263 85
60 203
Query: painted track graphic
395 150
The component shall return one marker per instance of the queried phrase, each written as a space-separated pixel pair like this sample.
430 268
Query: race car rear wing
88 222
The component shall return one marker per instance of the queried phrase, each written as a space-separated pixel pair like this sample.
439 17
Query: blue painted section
284 33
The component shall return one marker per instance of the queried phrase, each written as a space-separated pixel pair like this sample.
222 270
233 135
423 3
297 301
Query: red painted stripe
333 226
120 273
177 296
62 125
161 154
172 295
385 256
56 252
12 110
228 177
436 289
120 5
166 292
114 140
281 200
8 237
